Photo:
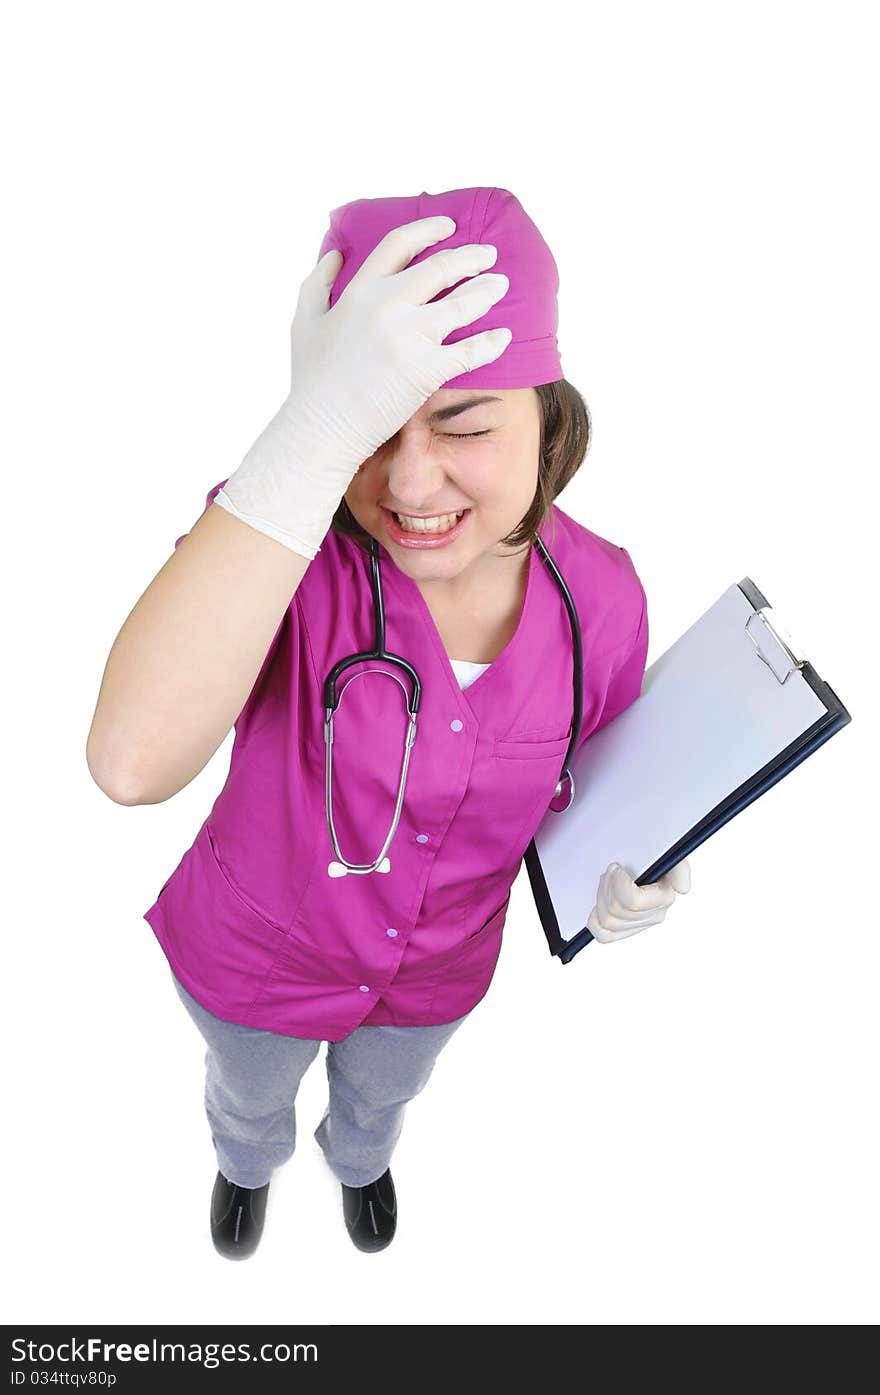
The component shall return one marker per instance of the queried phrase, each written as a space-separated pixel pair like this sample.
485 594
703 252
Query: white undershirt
466 672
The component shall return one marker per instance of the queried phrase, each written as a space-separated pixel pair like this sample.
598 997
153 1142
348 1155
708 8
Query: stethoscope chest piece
337 869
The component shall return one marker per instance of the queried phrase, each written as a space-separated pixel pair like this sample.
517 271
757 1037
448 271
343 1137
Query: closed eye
463 435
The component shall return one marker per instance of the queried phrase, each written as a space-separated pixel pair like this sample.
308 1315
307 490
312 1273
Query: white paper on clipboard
715 708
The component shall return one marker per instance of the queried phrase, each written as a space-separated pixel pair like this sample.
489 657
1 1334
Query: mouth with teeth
437 523
411 530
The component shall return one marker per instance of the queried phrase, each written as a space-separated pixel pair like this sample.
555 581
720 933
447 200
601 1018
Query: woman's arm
185 661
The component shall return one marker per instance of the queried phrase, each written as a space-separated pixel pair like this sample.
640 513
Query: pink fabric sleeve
211 495
626 680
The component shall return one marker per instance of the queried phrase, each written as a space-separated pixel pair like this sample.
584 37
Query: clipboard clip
773 651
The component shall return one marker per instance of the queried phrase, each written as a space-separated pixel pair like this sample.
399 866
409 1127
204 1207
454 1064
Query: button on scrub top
250 920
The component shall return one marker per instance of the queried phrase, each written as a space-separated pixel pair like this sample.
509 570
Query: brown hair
565 439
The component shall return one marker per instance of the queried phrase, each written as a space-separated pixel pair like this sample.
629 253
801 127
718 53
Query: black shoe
237 1216
371 1212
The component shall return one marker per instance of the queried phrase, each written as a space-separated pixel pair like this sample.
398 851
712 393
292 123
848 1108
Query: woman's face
437 464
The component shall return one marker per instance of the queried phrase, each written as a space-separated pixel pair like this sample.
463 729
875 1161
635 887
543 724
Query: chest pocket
532 746
526 772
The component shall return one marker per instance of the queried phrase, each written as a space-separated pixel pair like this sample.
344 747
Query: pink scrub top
250 920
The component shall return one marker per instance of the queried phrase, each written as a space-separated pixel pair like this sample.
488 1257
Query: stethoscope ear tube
557 793
378 651
578 678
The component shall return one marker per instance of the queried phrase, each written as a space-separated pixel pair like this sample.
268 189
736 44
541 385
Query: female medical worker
397 411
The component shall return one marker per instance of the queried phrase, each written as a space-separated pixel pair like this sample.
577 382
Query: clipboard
727 711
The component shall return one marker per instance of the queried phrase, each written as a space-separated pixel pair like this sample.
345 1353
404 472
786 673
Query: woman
283 926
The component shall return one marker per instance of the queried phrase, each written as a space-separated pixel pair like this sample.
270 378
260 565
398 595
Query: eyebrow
444 413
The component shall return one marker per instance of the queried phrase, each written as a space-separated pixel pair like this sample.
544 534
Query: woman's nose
415 476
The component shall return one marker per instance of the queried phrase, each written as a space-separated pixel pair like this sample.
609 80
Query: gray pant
252 1077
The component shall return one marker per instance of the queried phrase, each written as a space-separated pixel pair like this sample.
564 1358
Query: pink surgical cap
496 216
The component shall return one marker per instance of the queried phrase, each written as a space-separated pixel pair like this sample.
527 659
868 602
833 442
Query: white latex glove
623 909
359 372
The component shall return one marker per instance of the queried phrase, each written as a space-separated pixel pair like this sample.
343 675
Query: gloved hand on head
359 371
622 908
399 305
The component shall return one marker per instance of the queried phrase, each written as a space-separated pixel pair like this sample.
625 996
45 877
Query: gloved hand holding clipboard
624 908
727 711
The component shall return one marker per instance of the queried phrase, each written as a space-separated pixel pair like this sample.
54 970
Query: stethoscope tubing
413 698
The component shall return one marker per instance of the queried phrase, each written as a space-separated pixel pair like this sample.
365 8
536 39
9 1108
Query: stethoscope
382 863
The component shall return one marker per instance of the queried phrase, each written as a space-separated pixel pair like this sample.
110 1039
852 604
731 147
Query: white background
679 1129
